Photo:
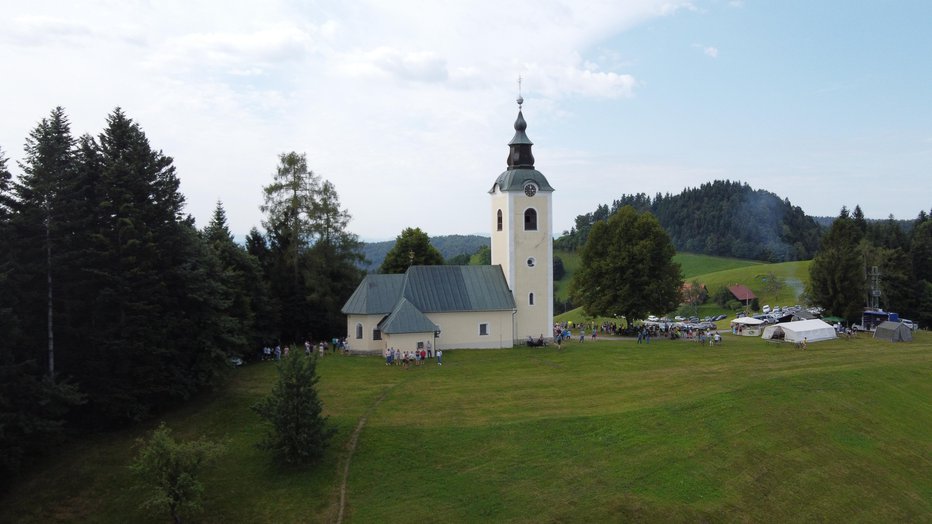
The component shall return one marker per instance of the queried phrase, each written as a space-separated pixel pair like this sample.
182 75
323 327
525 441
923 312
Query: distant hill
448 245
720 218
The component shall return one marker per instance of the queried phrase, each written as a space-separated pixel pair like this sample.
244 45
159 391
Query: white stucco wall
461 330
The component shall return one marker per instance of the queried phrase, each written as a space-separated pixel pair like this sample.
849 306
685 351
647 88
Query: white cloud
710 51
390 100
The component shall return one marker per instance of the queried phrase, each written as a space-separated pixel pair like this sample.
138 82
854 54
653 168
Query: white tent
746 326
748 321
808 330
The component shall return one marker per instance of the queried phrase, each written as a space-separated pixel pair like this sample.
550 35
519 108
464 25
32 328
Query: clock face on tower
530 190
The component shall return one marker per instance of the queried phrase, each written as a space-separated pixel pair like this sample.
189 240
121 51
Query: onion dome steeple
520 170
519 149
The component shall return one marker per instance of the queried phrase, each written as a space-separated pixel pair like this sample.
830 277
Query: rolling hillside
713 272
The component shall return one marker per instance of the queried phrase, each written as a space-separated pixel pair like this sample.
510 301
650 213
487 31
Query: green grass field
605 431
714 272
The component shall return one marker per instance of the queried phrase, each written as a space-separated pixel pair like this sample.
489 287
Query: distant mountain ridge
448 245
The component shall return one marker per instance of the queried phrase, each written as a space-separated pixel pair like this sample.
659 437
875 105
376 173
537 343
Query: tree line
115 306
840 275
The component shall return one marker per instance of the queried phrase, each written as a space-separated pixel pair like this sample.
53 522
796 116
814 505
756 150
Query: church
495 306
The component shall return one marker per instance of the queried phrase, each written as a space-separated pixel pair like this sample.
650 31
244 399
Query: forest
114 306
719 218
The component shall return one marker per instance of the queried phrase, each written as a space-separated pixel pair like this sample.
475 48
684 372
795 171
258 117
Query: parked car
765 309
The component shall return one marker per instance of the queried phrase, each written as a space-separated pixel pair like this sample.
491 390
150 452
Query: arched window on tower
530 299
358 330
530 220
499 220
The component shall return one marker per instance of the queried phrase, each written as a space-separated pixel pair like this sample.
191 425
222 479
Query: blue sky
407 107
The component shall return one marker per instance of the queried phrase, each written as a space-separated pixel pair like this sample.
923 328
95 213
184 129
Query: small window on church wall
359 331
499 220
530 220
483 329
376 334
530 299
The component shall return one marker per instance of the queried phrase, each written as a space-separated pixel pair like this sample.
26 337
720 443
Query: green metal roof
515 179
376 294
406 319
433 289
438 289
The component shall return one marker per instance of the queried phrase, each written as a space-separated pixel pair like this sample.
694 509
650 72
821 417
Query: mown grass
605 431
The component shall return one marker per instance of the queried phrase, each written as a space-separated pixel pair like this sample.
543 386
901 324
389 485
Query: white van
765 309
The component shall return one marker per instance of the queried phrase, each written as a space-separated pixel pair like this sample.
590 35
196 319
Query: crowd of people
417 357
322 348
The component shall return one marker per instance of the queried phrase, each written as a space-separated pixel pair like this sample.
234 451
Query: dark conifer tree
47 167
837 280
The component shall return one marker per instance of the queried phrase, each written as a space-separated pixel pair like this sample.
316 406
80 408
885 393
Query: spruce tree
47 166
836 276
299 433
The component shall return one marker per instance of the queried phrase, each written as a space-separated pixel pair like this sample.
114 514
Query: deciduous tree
627 268
412 248
170 470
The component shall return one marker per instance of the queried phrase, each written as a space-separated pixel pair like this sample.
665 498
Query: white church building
494 306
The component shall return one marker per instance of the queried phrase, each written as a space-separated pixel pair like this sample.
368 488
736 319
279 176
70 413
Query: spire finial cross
520 98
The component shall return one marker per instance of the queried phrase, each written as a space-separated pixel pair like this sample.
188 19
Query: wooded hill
450 246
720 218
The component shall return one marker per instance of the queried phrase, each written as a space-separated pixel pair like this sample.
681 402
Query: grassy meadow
606 431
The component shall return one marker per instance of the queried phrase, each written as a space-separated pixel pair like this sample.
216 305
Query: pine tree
299 434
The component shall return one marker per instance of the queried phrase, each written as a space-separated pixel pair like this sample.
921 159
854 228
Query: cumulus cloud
225 87
422 66
236 51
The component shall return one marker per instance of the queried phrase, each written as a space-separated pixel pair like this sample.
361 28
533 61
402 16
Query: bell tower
522 235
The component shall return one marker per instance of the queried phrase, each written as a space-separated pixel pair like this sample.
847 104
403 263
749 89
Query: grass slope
715 272
605 431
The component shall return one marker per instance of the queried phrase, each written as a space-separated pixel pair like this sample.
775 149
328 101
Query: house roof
433 289
438 289
406 318
376 294
741 292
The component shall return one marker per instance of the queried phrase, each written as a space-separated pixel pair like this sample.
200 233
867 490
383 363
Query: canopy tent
893 331
746 326
748 321
809 330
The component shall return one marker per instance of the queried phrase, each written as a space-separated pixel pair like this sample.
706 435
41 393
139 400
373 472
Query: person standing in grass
439 357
